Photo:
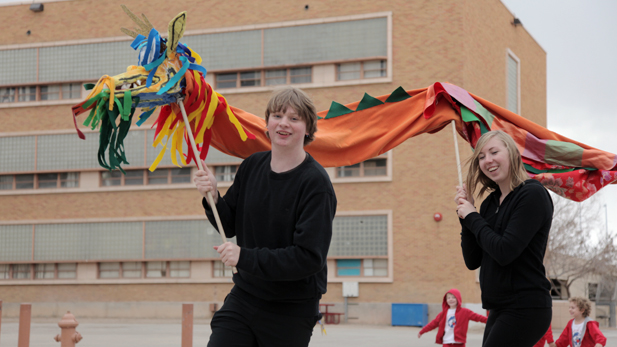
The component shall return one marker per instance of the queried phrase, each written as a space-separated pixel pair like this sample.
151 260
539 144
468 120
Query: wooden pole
458 157
198 162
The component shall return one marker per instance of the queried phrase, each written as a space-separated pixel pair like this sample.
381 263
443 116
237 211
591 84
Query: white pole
458 157
198 161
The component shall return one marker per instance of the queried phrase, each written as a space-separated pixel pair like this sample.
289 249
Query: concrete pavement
155 333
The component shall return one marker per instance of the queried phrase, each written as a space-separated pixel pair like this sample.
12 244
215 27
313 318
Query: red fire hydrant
68 337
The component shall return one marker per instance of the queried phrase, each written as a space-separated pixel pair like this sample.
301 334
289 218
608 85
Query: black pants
516 327
239 323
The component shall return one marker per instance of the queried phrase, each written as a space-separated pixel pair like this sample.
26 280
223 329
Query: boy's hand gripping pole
198 161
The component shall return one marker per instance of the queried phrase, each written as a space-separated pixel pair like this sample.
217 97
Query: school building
75 236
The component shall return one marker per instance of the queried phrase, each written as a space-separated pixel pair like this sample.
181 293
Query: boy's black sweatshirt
508 241
283 224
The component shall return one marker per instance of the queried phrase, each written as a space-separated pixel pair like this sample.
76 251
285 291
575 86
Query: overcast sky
580 40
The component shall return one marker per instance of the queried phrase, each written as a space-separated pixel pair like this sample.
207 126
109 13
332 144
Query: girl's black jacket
508 243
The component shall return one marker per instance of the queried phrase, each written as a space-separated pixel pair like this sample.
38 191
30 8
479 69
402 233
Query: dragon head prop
168 72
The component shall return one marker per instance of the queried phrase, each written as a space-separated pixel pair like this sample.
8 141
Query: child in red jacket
581 331
452 321
547 338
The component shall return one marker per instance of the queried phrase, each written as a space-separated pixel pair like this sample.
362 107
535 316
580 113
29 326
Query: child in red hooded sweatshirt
452 321
581 331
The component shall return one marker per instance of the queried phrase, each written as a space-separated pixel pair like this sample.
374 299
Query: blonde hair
583 305
300 102
475 175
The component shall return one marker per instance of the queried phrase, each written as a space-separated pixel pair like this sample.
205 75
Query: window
5 271
153 269
348 267
27 94
40 181
7 95
66 91
271 77
556 289
512 83
41 271
44 271
350 71
50 92
362 267
109 270
131 270
71 91
67 270
300 75
21 271
372 167
276 77
361 70
156 269
6 182
163 269
227 80
134 178
120 270
592 289
374 69
180 175
225 173
48 180
179 268
375 267
167 176
250 79
69 179
117 178
220 270
24 181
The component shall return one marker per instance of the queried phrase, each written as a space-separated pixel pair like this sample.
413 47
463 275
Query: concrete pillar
25 314
187 325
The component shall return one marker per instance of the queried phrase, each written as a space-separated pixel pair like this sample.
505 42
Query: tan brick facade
462 42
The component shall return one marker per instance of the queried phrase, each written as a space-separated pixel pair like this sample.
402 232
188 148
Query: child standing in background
452 321
581 331
547 338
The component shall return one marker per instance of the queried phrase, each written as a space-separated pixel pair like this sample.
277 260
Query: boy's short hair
583 304
299 101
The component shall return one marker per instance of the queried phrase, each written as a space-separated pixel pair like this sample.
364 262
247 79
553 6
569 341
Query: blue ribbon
144 116
137 41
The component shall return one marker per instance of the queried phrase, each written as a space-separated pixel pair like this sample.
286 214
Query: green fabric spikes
336 109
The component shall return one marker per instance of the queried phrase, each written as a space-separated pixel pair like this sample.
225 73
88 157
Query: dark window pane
27 94
181 175
111 178
250 79
158 176
134 178
6 182
227 80
7 95
24 181
69 179
48 180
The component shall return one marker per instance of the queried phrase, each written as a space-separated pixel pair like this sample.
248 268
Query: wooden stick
198 161
458 158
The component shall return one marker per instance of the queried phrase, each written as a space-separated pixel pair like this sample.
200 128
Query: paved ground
166 334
